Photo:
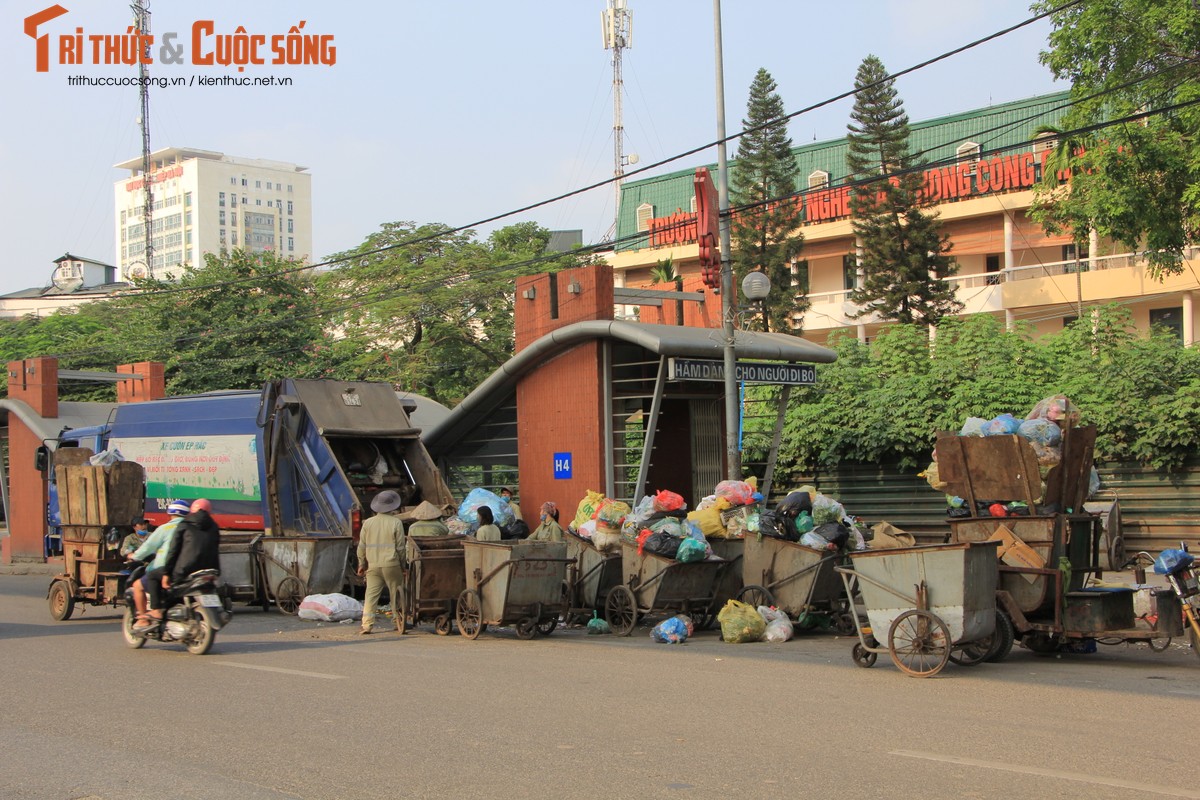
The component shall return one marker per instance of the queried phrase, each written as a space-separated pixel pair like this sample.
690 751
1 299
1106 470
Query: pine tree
764 233
905 255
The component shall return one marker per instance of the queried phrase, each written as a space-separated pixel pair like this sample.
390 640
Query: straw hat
426 510
385 501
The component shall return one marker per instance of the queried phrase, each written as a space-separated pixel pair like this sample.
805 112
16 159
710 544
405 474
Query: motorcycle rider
195 546
154 550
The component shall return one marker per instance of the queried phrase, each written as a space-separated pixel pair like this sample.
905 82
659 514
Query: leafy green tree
765 228
78 337
1136 182
905 255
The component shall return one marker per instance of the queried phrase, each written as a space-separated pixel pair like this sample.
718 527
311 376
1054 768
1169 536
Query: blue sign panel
562 466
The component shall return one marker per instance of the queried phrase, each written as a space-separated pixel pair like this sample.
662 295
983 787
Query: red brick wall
534 318
34 381
151 386
696 315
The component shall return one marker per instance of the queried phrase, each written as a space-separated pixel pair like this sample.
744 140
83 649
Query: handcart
730 581
292 567
929 599
590 577
655 583
512 582
794 578
94 575
435 579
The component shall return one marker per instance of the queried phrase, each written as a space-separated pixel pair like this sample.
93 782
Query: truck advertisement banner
221 468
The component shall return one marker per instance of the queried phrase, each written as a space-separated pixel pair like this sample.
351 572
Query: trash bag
606 538
738 493
771 524
794 504
973 427
517 529
1041 431
804 523
1056 409
814 540
586 508
502 513
1171 561
740 623
709 522
1001 425
639 515
675 630
662 544
329 608
672 526
779 629
691 550
826 509
613 511
668 501
641 540
598 625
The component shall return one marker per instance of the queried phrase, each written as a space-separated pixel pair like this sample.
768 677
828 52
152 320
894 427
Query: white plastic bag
330 608
779 629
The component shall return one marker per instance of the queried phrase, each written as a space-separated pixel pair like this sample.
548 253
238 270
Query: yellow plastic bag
741 623
709 522
587 508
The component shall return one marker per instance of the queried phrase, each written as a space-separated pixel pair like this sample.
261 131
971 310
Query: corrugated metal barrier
1158 509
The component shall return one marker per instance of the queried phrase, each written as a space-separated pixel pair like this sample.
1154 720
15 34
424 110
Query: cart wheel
469 614
1159 645
620 610
527 628
131 639
844 624
863 657
972 654
546 627
1003 638
289 594
705 621
1042 644
919 643
402 623
755 595
441 624
62 604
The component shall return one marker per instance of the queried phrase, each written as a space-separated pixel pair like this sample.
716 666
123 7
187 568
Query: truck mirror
41 458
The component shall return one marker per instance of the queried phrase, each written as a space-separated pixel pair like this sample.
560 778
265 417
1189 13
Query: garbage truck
298 458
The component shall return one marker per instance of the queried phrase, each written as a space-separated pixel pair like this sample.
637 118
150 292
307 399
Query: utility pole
733 465
617 21
141 19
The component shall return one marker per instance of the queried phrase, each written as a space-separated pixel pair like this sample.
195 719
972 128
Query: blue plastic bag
1002 425
1171 561
501 511
675 630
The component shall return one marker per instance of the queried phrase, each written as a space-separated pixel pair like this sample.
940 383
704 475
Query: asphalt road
283 708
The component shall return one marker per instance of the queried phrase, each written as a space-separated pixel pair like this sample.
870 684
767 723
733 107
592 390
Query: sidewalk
32 568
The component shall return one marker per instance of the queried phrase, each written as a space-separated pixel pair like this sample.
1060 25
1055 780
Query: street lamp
756 286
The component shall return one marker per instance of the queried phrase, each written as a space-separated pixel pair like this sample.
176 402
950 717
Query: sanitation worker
381 559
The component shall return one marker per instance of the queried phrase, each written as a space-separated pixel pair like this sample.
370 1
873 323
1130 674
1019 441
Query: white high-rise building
206 202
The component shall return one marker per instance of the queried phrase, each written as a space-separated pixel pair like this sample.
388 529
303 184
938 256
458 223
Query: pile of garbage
741 623
814 520
1043 428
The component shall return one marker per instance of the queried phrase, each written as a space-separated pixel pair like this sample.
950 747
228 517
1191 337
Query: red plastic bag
667 501
738 493
641 540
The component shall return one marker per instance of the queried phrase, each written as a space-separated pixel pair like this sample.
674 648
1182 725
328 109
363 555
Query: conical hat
426 510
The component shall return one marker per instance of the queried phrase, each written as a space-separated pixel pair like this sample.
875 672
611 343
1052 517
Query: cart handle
912 601
794 575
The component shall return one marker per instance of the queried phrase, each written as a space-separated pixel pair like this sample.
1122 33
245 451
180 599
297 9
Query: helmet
201 505
178 508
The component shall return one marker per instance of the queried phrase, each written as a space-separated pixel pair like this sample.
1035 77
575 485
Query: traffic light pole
733 466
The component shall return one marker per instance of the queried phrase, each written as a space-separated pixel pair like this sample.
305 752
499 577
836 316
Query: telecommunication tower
141 19
617 23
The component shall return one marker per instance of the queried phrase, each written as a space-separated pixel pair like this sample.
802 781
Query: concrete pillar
33 381
1189 319
1009 319
1093 247
1009 261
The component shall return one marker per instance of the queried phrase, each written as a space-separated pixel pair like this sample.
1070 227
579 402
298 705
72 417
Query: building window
968 152
290 230
1069 257
220 202
992 264
221 218
235 238
233 200
258 184
244 201
257 202
1169 318
693 204
187 199
188 238
818 179
645 212
187 218
1043 142
800 277
243 181
291 244
849 271
289 187
289 207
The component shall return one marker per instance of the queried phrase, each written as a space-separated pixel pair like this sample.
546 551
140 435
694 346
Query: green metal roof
1008 126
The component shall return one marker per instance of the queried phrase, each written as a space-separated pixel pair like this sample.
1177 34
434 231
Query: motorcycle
196 610
1178 568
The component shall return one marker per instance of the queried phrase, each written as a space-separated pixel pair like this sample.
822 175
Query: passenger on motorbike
195 546
154 550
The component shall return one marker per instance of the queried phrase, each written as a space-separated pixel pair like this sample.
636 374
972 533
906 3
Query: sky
459 111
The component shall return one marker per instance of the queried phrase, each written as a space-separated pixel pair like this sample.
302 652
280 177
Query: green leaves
885 402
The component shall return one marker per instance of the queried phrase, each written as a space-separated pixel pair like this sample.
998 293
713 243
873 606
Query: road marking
301 673
1051 773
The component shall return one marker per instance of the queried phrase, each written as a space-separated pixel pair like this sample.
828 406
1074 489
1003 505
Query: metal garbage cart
591 576
291 567
928 599
655 583
512 582
731 580
435 579
794 578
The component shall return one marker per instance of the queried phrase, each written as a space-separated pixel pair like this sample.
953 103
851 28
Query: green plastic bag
741 623
596 625
691 550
